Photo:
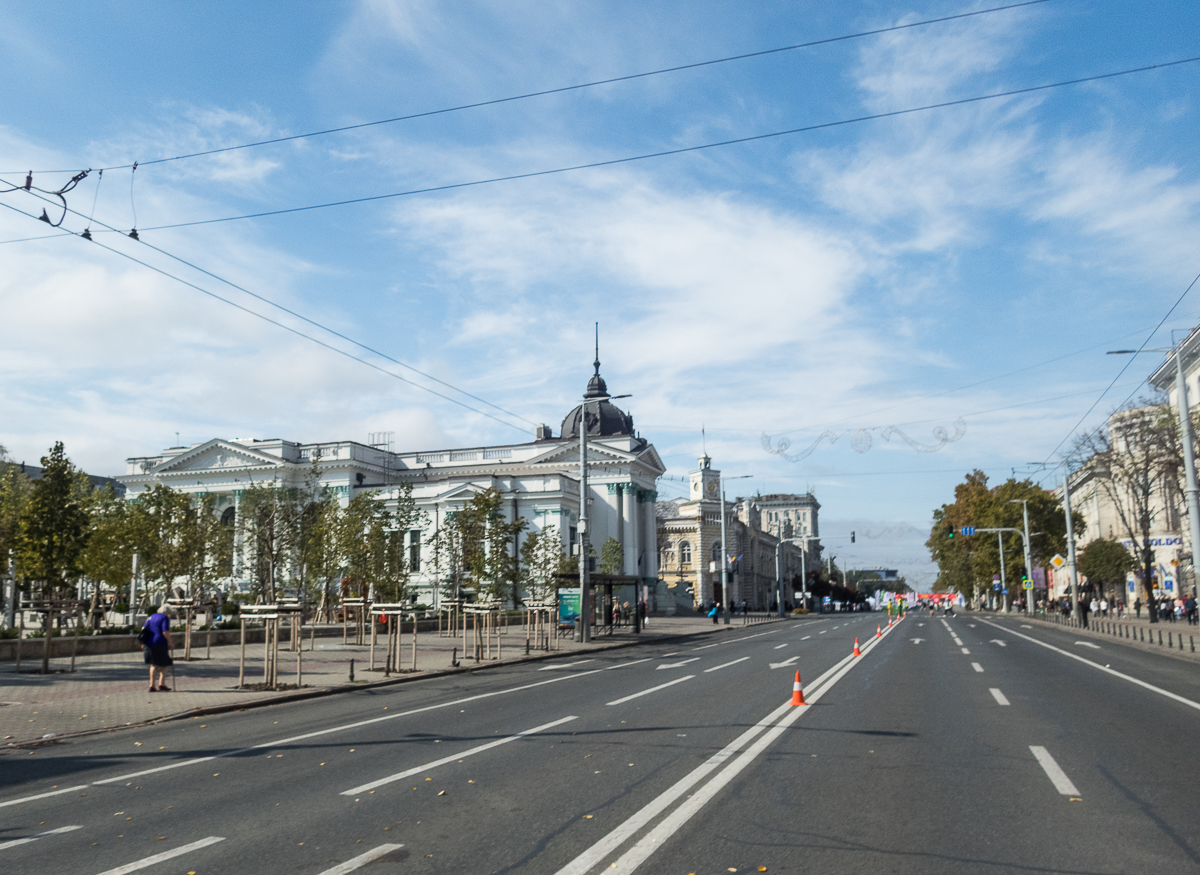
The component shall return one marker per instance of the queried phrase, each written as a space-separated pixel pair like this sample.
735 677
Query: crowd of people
1169 609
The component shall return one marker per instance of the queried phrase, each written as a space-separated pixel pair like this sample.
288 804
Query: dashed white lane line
565 665
165 855
1053 771
1000 698
823 631
651 690
806 637
362 860
966 650
677 664
977 667
425 767
778 646
1087 644
726 665
44 795
50 832
1183 701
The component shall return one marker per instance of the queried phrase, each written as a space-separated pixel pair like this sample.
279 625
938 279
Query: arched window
716 551
685 552
227 518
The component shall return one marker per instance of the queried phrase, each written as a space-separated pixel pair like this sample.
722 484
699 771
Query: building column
629 528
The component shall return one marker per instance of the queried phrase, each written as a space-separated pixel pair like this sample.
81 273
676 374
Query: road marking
598 852
165 855
1087 644
779 646
998 696
652 690
1056 775
1024 626
453 758
806 637
361 860
565 665
917 640
977 667
998 641
726 665
786 662
677 664
823 631
1111 671
965 650
43 795
50 832
736 640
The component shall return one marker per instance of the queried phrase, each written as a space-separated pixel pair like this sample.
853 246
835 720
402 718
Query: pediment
568 454
650 456
217 455
462 492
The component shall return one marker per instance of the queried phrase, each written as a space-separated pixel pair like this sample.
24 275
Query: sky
867 309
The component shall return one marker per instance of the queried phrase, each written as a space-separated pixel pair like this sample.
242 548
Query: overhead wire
279 324
628 159
302 317
580 86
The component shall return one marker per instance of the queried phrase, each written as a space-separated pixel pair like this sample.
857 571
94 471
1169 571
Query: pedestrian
1137 607
1085 607
1104 608
713 612
157 644
1189 605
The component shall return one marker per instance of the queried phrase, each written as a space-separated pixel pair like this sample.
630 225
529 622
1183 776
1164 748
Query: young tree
542 559
54 526
15 488
270 521
612 556
164 519
1105 563
476 548
108 558
1135 459
210 549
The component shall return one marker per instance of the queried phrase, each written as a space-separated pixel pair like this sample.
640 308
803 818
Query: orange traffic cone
878 631
857 652
889 622
798 692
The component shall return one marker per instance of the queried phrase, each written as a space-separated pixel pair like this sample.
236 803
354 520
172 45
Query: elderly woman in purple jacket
158 648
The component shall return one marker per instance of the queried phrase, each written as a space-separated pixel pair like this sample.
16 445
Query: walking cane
174 684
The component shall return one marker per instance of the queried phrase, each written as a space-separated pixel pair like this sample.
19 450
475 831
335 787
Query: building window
414 550
716 551
685 553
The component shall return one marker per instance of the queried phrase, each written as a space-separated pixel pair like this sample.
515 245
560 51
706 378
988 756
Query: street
964 744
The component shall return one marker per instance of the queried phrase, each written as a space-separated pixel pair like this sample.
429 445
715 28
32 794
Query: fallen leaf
587 817
471 781
442 793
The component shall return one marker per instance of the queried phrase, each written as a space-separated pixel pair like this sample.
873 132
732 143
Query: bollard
1170 643
1159 637
454 658
351 671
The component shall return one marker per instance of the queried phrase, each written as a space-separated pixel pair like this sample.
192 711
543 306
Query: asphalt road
1014 756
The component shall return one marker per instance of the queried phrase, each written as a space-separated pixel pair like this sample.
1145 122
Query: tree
1104 563
270 521
108 557
542 559
54 525
1135 460
15 487
475 544
210 547
612 556
163 523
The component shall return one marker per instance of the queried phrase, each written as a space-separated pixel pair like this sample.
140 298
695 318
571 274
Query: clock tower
706 482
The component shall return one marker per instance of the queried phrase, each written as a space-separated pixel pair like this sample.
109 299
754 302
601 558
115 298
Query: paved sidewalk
109 691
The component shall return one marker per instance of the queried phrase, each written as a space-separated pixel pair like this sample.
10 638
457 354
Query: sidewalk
109 691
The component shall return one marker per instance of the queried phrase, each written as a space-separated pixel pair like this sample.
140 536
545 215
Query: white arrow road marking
1088 644
676 664
998 696
726 665
454 758
686 677
785 663
917 640
50 832
565 664
977 667
165 855
361 860
998 641
1056 775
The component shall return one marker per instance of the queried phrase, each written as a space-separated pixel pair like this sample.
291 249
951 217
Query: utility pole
133 592
724 560
585 606
1189 461
1028 558
779 566
1003 582
1072 574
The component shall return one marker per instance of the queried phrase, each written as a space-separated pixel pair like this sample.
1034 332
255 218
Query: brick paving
109 691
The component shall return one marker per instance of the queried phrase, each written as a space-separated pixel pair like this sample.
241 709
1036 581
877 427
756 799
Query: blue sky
907 272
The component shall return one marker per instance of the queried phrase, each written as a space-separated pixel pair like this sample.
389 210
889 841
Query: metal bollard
351 671
454 658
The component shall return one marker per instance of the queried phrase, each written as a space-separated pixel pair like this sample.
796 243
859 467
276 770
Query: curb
1132 644
322 692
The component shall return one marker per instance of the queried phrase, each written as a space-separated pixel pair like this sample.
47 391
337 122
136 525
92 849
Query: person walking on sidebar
158 646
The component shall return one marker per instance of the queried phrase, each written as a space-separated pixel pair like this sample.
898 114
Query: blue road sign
1005 591
996 586
968 530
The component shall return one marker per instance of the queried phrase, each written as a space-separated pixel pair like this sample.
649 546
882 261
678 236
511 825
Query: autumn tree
542 559
54 525
1104 562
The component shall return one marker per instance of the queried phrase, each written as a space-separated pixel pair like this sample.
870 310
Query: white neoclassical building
539 480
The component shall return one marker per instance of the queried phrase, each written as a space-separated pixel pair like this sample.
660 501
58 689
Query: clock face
712 487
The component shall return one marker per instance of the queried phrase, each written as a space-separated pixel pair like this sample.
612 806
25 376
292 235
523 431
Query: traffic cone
889 622
878 631
798 692
857 652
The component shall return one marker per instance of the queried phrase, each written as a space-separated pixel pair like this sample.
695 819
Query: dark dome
604 419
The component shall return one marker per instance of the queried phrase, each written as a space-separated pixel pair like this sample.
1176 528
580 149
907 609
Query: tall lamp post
1024 502
725 556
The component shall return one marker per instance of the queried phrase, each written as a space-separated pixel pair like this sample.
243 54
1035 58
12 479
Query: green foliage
612 556
542 559
108 557
475 552
15 487
54 527
1105 562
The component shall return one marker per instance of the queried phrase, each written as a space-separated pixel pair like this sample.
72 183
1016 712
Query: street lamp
803 540
1024 502
724 556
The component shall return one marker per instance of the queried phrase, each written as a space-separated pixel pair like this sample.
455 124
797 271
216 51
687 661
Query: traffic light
950 534
852 537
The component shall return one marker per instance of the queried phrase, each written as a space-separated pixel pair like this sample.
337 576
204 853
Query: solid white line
1103 668
966 651
726 665
998 696
977 667
779 646
453 758
361 859
49 832
43 795
165 855
1056 775
594 855
652 690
